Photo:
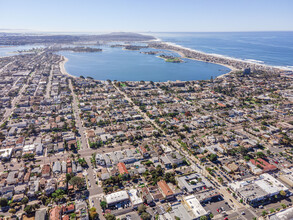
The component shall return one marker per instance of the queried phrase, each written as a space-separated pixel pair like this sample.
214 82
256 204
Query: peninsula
232 63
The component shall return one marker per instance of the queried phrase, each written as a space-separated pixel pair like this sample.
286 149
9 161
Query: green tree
3 202
93 213
260 154
29 209
103 204
145 216
203 218
247 158
77 181
110 217
283 193
24 200
212 157
141 208
13 211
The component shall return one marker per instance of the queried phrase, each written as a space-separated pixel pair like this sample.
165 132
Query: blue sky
147 15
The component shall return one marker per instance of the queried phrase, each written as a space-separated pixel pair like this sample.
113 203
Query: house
39 149
57 167
55 213
68 208
165 189
122 168
46 171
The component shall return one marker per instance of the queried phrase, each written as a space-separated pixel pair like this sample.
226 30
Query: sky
147 15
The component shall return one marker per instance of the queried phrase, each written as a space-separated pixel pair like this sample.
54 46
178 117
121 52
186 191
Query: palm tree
43 198
72 156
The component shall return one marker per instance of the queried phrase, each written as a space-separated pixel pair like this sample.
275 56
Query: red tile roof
165 188
264 165
122 168
55 213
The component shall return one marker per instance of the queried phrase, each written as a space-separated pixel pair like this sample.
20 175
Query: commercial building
194 205
116 198
264 165
179 211
259 190
134 197
193 182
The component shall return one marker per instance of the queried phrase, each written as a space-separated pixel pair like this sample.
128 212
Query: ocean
272 48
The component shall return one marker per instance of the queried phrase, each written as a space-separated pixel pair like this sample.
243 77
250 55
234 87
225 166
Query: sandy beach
225 65
62 67
233 64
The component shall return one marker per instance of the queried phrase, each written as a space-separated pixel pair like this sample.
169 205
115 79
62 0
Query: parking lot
217 207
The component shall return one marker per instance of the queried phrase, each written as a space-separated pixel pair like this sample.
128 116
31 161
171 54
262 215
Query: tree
76 181
213 157
283 193
29 209
283 205
13 211
24 200
203 218
103 204
141 208
3 202
260 154
247 158
110 217
145 216
43 198
93 213
264 213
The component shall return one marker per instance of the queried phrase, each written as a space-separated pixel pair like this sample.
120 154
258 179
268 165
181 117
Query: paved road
227 196
49 84
14 103
95 191
78 122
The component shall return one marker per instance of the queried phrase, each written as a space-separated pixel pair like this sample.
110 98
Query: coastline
225 65
233 64
62 67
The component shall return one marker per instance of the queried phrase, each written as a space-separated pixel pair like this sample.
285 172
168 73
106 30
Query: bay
127 65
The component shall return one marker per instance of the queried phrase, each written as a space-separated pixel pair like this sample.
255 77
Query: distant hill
22 39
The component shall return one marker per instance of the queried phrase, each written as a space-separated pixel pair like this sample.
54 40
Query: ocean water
126 65
272 48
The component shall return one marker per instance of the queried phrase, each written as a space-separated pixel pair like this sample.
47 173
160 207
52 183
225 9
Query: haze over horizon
147 16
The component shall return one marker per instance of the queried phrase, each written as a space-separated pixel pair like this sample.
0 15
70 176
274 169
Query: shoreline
62 67
225 65
233 64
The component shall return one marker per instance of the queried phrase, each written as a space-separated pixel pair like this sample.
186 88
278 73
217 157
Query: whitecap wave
252 61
